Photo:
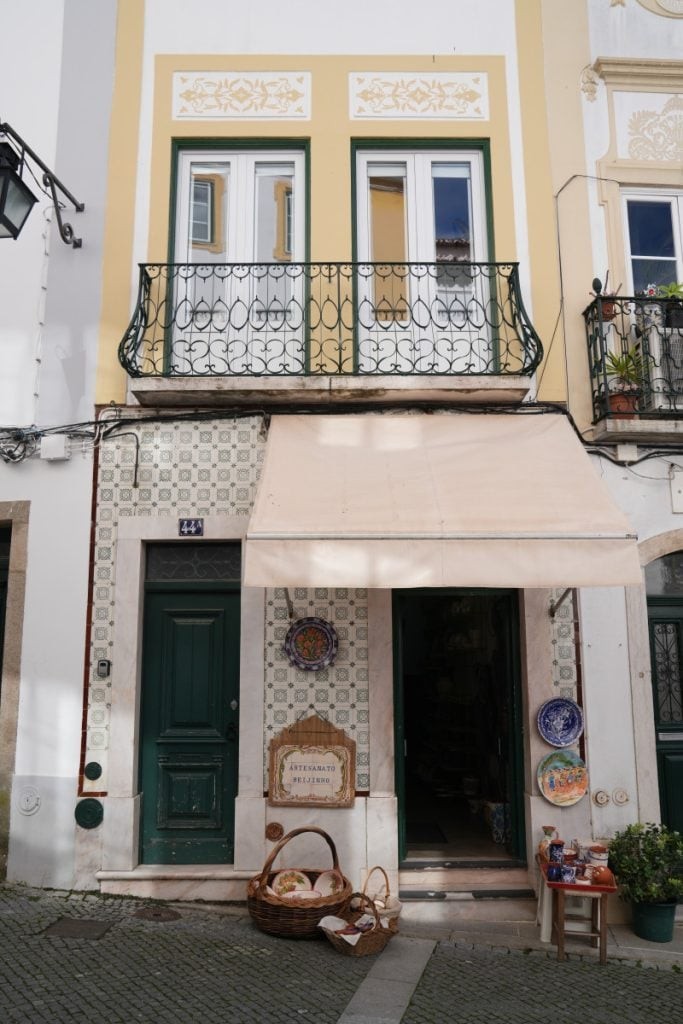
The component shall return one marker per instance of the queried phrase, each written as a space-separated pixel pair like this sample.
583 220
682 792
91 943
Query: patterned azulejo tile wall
565 641
204 468
339 692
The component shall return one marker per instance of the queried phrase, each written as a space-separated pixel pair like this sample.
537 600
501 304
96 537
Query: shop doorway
458 729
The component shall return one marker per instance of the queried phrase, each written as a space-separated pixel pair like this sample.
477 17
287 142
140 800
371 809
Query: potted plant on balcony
647 861
672 294
625 372
606 306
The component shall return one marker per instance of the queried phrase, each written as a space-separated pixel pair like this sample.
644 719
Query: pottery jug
549 833
555 851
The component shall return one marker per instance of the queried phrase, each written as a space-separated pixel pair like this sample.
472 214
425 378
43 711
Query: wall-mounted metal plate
89 813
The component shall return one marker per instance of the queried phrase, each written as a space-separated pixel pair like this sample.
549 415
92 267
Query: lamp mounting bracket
50 181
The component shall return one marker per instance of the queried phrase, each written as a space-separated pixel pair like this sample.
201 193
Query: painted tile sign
312 764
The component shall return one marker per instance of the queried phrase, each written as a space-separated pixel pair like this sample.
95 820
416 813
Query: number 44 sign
190 527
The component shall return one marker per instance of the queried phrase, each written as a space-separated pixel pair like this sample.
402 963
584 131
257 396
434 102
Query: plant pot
654 921
649 315
623 404
674 316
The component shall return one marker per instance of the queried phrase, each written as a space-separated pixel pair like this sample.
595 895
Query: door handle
231 731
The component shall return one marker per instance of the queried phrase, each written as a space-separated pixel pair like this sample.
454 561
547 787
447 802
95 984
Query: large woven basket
287 917
370 942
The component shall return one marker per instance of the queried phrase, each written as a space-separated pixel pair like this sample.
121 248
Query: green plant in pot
672 293
647 861
626 372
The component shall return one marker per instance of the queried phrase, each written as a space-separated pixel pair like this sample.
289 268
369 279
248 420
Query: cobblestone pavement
211 964
477 986
202 967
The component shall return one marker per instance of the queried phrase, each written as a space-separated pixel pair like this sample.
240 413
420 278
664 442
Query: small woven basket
287 917
370 942
387 905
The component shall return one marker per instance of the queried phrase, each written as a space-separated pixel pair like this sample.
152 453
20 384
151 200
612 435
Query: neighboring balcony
635 353
290 331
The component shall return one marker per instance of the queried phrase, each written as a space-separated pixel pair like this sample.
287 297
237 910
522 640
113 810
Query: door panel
189 726
666 649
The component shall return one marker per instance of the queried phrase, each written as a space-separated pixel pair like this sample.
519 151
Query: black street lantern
16 198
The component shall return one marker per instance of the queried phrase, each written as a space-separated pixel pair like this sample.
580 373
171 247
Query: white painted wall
29 96
49 318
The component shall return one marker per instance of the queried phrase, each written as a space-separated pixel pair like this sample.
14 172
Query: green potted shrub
672 293
647 861
625 371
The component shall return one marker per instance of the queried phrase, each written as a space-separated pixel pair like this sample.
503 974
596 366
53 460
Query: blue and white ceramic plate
560 722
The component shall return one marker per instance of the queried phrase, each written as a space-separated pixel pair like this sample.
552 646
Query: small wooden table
597 894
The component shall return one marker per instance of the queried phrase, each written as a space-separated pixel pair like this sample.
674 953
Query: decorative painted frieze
658 135
230 95
443 96
649 126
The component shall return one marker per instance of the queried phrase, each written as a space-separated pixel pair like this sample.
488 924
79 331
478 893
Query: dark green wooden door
666 648
189 724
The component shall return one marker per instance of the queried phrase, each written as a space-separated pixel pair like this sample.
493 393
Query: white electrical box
55 447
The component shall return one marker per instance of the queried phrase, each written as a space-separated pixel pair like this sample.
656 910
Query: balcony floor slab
186 392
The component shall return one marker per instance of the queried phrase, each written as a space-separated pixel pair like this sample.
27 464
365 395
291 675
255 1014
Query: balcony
635 354
220 333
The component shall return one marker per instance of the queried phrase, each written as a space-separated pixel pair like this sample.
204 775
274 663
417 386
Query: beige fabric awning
440 500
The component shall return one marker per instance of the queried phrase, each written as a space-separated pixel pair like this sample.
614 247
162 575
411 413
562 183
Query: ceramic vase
549 832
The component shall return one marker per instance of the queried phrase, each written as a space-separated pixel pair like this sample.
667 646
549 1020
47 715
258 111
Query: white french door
240 231
421 222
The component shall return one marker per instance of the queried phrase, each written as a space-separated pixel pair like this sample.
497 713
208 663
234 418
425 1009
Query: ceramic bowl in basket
289 881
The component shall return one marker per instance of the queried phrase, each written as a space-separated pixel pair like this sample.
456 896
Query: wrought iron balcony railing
635 354
281 319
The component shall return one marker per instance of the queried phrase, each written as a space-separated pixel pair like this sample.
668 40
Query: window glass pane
664 576
189 561
388 214
208 213
666 664
452 219
388 242
274 213
651 237
650 228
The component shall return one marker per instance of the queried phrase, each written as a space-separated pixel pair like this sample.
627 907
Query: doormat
424 833
77 928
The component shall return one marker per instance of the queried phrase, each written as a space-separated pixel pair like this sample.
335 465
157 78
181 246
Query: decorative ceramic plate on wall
560 722
311 643
562 778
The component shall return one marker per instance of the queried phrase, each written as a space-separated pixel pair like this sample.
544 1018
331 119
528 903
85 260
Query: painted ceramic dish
562 778
329 883
301 894
311 643
560 722
290 881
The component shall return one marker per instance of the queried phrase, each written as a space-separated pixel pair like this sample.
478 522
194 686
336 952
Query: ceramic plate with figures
562 778
560 722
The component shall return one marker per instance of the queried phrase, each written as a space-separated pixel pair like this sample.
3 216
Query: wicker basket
287 917
370 942
388 906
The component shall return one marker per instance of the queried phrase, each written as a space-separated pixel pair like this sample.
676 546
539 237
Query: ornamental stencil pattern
229 95
564 645
340 692
657 135
441 96
185 469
